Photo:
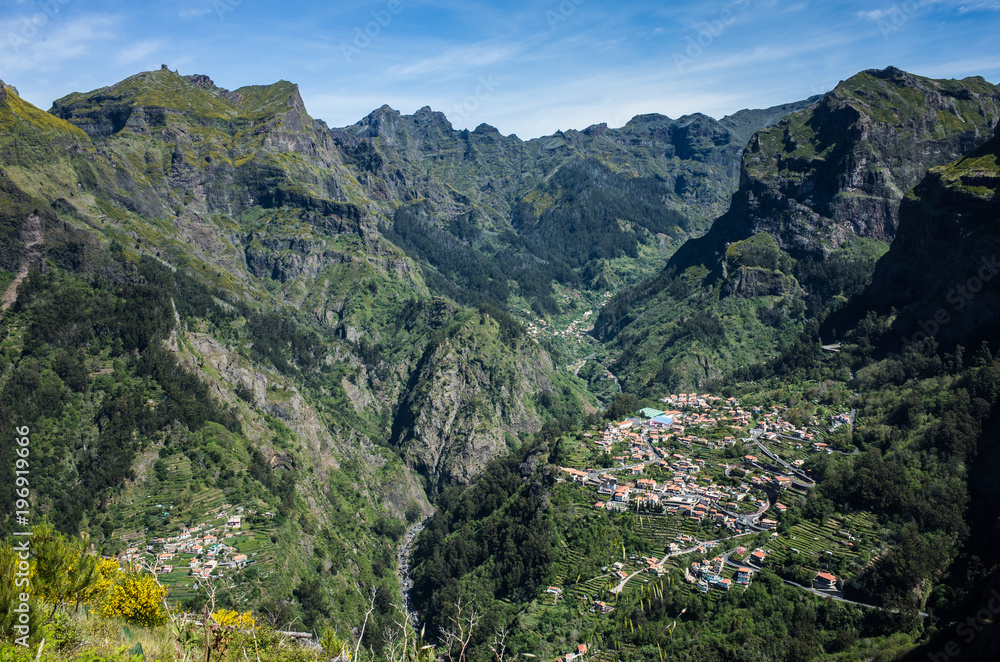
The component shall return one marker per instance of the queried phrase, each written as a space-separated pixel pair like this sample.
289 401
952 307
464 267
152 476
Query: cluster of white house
205 543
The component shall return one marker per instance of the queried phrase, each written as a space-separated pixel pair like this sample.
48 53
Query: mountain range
346 325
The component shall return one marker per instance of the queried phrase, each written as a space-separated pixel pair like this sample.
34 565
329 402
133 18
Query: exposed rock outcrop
840 168
943 269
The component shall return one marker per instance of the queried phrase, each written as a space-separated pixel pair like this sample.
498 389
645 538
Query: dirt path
33 240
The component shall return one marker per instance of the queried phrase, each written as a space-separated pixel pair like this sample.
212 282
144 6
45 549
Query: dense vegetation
561 232
109 408
215 319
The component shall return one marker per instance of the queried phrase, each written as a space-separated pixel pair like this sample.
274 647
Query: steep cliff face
817 204
943 268
202 149
474 391
247 195
839 169
518 202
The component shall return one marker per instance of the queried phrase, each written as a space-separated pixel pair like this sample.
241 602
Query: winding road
829 595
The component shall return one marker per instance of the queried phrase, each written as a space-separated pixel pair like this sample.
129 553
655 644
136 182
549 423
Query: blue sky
529 68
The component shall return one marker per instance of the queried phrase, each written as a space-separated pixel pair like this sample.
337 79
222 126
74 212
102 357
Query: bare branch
371 608
498 644
460 632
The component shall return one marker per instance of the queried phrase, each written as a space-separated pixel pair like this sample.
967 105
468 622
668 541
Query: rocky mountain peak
427 117
382 121
200 80
486 130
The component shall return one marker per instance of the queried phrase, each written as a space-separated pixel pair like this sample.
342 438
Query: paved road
681 552
798 477
822 594
831 596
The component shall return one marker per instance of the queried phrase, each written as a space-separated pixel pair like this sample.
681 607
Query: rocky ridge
818 202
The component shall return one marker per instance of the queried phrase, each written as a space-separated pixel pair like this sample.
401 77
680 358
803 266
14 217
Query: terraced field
142 509
180 585
658 531
825 544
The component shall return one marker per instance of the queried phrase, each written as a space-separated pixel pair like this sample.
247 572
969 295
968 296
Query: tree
64 570
458 634
623 405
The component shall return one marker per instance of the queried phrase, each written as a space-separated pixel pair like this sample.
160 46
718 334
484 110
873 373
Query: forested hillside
918 462
265 360
818 203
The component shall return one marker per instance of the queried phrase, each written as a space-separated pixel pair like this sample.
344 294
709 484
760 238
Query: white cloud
873 15
138 51
197 10
981 4
456 62
27 47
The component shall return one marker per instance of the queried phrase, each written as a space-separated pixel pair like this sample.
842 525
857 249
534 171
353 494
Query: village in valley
226 540
707 487
218 542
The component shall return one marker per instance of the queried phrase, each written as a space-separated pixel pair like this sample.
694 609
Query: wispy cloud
458 61
596 61
909 8
196 10
138 51
72 39
991 5
873 15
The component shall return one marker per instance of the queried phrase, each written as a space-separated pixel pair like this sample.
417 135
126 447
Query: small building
661 421
826 582
743 575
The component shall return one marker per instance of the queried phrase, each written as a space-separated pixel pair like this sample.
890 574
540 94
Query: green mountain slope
200 295
917 465
513 209
818 201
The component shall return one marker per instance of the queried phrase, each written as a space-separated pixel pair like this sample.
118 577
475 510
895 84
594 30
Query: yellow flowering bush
230 618
136 598
107 570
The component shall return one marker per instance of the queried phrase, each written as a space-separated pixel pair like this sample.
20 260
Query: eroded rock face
225 150
943 269
840 168
752 282
469 392
824 186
